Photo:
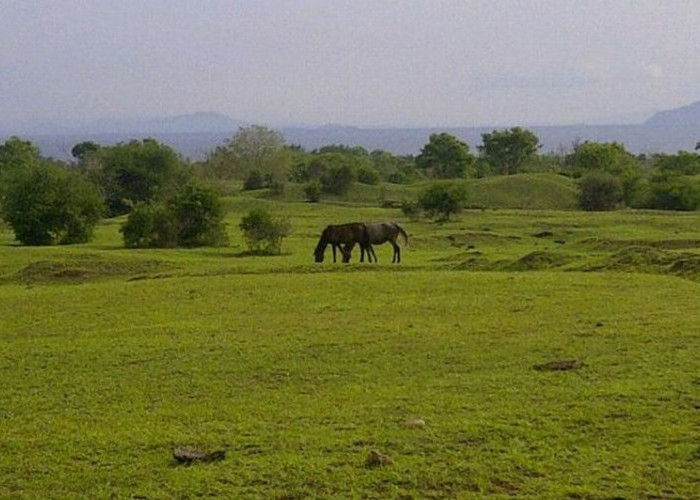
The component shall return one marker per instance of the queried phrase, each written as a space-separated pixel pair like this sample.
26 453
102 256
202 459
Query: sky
365 63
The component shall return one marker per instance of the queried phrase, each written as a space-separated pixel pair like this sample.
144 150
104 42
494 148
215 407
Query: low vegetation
522 348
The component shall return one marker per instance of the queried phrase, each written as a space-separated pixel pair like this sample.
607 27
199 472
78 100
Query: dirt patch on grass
559 366
475 238
648 259
84 270
616 245
538 261
687 266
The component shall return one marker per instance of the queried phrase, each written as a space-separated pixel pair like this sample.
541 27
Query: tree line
170 201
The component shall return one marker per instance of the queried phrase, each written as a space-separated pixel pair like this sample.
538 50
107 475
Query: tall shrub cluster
42 201
192 217
263 233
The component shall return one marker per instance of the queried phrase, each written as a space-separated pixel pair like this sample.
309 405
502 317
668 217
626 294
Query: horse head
322 244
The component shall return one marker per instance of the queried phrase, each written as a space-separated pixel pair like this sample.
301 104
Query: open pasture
111 358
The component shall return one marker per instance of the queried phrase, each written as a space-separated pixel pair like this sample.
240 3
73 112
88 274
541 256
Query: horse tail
402 233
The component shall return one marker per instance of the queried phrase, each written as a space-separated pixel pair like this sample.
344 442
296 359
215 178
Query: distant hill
194 135
685 116
204 122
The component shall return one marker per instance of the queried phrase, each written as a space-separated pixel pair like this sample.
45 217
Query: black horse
381 232
343 237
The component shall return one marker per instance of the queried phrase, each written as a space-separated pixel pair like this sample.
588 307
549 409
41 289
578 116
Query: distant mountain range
685 116
195 134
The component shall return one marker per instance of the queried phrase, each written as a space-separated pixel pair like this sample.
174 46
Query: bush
600 191
149 225
312 191
46 204
192 217
441 200
277 188
262 233
338 179
255 180
411 209
199 216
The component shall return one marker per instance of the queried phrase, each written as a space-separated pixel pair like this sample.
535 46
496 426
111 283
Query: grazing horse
381 232
343 237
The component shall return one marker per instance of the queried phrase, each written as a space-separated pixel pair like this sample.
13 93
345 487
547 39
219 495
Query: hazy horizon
359 63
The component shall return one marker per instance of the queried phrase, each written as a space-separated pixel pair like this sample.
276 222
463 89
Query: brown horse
343 237
381 232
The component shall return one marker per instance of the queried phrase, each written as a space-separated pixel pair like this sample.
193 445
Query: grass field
111 358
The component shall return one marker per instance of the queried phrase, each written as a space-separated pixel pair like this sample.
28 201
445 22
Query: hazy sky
355 62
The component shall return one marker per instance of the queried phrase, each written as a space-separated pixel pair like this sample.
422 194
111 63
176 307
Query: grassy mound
533 191
84 269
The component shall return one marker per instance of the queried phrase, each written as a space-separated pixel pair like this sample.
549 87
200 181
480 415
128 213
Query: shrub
192 217
675 193
600 191
277 188
199 216
262 233
411 209
338 179
255 180
46 204
442 200
312 191
149 225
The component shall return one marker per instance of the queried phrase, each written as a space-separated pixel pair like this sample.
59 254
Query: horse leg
397 253
371 250
366 249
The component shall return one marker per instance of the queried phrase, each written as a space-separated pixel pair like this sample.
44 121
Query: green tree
508 151
16 153
611 158
681 163
394 169
344 149
251 148
83 149
336 172
137 171
442 200
675 193
445 157
263 233
46 204
367 174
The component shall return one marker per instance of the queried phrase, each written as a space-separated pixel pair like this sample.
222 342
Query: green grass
110 358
